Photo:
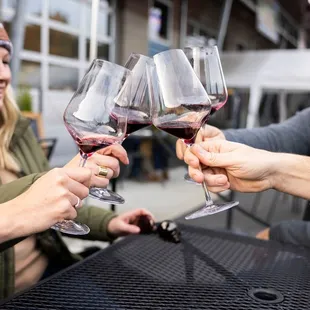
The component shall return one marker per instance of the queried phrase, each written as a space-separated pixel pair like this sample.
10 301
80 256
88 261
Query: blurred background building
57 36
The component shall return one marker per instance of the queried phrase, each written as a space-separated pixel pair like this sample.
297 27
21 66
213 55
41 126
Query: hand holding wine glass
180 105
91 122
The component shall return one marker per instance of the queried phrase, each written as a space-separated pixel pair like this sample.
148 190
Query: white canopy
286 71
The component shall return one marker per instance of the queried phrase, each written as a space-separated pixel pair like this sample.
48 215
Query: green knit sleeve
97 219
13 189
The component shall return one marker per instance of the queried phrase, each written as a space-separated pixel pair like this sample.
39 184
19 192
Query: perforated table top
207 270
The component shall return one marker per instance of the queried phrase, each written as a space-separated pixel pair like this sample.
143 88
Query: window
34 7
102 50
32 39
63 44
103 22
29 74
66 12
63 78
160 15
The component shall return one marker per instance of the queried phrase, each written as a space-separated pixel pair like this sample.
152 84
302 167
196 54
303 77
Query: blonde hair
9 115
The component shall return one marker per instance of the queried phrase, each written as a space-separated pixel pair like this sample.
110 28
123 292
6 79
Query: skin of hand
206 132
126 223
240 167
108 157
49 200
216 181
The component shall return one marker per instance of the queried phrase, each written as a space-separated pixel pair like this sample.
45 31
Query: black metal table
207 270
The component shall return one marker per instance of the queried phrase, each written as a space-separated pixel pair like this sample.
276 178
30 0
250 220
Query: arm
247 169
291 174
37 207
97 219
291 136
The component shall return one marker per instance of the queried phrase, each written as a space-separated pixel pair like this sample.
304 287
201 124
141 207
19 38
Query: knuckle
212 157
84 192
60 179
63 193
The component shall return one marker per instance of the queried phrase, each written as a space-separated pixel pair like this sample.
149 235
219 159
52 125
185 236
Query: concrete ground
175 197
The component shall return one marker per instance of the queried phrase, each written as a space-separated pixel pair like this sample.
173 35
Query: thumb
212 159
209 131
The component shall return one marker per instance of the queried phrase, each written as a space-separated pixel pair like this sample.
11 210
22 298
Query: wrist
291 174
275 170
8 222
111 233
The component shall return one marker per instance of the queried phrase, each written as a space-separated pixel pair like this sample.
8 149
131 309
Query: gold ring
103 171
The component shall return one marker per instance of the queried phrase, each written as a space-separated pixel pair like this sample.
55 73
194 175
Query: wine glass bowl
139 115
179 102
207 65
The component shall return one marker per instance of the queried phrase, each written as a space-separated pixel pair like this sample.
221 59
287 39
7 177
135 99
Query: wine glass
139 115
179 106
91 122
207 65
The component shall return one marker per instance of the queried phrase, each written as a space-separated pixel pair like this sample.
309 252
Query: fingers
128 229
214 178
216 181
116 151
191 159
79 174
111 163
138 212
77 190
180 149
212 153
196 174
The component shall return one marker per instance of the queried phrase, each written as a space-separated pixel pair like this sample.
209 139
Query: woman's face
5 72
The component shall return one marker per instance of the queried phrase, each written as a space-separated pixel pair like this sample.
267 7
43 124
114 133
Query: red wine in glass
136 120
184 130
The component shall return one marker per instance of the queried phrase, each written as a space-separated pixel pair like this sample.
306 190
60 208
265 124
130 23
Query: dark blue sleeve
290 136
295 232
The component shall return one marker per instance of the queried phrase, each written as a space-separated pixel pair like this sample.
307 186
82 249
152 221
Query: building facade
56 47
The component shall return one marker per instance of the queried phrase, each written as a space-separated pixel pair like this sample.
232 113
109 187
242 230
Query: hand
242 168
126 223
49 200
108 157
206 132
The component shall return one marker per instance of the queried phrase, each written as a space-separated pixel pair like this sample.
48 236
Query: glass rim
203 48
102 61
168 51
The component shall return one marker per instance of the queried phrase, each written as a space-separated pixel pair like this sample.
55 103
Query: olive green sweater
33 163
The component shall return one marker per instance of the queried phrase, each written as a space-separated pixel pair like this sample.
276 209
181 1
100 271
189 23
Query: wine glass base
188 179
71 227
212 209
106 195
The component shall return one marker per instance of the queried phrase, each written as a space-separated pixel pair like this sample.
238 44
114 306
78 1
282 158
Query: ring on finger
78 202
103 171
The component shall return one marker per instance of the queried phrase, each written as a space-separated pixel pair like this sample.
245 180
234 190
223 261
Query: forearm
291 174
291 136
97 219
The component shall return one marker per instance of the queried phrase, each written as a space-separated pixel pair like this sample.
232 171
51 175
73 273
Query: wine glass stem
209 200
83 160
